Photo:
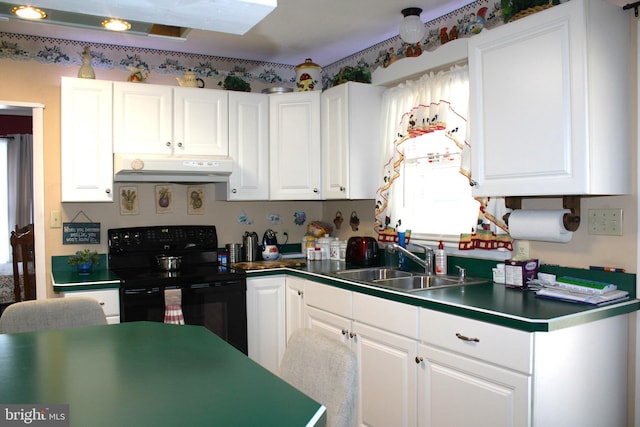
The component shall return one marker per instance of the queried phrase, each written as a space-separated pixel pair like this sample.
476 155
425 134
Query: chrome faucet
426 263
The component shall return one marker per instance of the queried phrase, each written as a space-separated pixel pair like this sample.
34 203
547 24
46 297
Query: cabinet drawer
502 346
329 298
109 299
384 314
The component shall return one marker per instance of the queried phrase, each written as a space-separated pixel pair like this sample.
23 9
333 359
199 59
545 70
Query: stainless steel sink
420 282
392 278
372 274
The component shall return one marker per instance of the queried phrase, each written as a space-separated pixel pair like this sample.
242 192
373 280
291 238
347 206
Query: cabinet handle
344 331
419 359
342 188
234 191
464 338
300 293
101 303
168 144
180 144
108 191
352 334
315 190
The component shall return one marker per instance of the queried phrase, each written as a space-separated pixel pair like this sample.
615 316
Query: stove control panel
162 238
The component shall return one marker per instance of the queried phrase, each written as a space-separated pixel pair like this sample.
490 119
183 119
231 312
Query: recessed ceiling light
28 12
115 24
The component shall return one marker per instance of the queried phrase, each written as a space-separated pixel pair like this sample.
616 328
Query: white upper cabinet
86 153
549 103
248 146
294 146
351 144
157 119
200 121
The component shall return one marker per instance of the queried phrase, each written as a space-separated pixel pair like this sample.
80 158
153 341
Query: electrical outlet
605 222
521 249
56 219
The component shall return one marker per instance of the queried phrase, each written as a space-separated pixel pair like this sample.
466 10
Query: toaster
362 251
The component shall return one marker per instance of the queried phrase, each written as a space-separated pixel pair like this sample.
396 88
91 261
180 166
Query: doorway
37 114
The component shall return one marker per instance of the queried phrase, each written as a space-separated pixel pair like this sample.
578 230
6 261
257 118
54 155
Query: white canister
343 251
308 76
334 249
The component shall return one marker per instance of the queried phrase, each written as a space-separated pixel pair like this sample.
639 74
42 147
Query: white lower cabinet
109 299
266 338
472 372
421 367
294 305
386 359
458 391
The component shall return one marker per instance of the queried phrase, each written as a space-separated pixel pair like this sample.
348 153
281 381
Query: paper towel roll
543 225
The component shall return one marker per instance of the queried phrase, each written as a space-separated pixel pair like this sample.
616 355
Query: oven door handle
143 291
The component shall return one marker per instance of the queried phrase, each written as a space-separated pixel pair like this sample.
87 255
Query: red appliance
362 251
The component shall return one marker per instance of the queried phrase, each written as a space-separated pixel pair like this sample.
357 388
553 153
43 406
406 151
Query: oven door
220 307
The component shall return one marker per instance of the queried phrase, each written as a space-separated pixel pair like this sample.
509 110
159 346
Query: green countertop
493 303
148 374
65 277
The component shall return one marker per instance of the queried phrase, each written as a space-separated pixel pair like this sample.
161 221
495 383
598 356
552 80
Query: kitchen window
425 183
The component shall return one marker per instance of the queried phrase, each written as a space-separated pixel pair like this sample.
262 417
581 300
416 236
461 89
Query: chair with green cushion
326 370
56 313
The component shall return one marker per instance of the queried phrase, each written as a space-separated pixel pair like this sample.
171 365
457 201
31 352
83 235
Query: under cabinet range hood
160 168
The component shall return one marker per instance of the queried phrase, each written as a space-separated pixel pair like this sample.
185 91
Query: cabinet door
200 122
540 88
387 377
109 299
330 324
335 142
266 320
86 153
294 305
142 118
249 146
294 146
456 391
351 141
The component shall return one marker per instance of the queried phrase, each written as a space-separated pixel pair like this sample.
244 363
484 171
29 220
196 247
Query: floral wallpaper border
464 22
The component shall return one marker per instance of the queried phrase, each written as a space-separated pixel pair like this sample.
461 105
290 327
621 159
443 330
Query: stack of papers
582 298
577 290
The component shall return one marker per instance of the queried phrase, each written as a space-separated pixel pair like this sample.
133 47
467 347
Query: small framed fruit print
164 198
129 200
195 200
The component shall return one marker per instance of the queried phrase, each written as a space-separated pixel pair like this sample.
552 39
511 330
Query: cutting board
261 265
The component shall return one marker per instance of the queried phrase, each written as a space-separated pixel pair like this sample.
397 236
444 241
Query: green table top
148 374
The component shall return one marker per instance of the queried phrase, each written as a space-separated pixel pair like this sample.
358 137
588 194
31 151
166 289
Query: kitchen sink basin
372 274
392 278
419 282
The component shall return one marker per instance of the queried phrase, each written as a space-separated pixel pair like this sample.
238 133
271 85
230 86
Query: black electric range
211 294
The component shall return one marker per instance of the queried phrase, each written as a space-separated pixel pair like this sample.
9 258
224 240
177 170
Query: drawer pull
463 338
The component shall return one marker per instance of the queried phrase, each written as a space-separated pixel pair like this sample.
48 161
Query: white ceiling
323 30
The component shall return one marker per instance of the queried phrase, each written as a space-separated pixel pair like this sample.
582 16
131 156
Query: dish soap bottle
441 259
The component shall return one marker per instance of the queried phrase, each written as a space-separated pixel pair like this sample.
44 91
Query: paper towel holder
571 220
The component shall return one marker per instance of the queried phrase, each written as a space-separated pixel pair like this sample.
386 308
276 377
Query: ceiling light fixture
115 24
412 29
28 12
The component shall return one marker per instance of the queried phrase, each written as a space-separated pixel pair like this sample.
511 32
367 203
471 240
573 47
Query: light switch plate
605 222
56 219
